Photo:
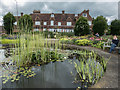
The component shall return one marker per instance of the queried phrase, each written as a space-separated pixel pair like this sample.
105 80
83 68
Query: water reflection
52 75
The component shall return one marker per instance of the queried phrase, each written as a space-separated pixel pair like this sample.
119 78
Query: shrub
83 42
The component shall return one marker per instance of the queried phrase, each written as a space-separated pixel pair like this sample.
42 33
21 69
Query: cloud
110 19
1 20
68 0
46 8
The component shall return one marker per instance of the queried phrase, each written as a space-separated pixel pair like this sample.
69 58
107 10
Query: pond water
52 75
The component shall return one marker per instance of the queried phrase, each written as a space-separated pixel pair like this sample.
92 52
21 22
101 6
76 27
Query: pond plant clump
90 67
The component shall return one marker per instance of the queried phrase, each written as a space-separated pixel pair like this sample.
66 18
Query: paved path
110 78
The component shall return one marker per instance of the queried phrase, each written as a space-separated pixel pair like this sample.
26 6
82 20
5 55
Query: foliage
97 44
25 23
16 74
83 42
81 26
115 27
99 25
88 68
48 34
69 34
9 41
8 21
66 41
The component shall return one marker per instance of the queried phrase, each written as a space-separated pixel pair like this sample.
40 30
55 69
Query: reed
88 68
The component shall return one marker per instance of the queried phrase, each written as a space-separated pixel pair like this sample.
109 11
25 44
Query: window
44 29
69 23
76 15
84 14
45 23
52 23
59 23
36 29
15 23
37 22
52 15
90 23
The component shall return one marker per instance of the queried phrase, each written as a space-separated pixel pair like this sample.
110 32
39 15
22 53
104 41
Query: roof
37 15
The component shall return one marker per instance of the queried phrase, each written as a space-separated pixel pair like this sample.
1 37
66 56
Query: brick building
60 22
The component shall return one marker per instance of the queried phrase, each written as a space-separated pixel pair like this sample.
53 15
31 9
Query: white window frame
59 23
37 22
69 23
51 22
45 23
36 29
44 29
90 22
76 15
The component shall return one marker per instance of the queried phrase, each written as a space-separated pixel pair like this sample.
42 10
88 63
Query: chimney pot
63 12
21 13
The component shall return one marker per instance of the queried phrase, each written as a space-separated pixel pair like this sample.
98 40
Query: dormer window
69 23
59 23
37 22
52 15
76 15
52 22
45 23
84 14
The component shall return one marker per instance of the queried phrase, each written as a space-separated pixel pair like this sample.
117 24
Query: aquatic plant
89 68
15 75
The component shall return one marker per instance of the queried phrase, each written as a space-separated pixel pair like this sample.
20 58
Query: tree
99 25
8 21
25 23
81 26
115 27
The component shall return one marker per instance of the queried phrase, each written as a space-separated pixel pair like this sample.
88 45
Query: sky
106 8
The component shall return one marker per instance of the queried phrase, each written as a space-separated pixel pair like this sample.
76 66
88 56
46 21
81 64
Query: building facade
57 22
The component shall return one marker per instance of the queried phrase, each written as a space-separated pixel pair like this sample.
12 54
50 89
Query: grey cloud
106 9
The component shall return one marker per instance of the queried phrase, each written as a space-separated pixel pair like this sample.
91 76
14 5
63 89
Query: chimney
63 11
36 11
21 13
88 10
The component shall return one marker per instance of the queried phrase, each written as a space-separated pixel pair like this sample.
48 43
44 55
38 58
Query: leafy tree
115 27
8 21
99 25
25 23
81 26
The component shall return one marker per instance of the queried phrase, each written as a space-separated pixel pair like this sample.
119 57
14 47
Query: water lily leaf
17 79
4 82
12 80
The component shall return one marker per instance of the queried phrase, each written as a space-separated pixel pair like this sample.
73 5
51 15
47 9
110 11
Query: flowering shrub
66 41
98 43
83 42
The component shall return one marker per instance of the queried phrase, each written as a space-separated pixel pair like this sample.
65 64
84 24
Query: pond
55 74
52 75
